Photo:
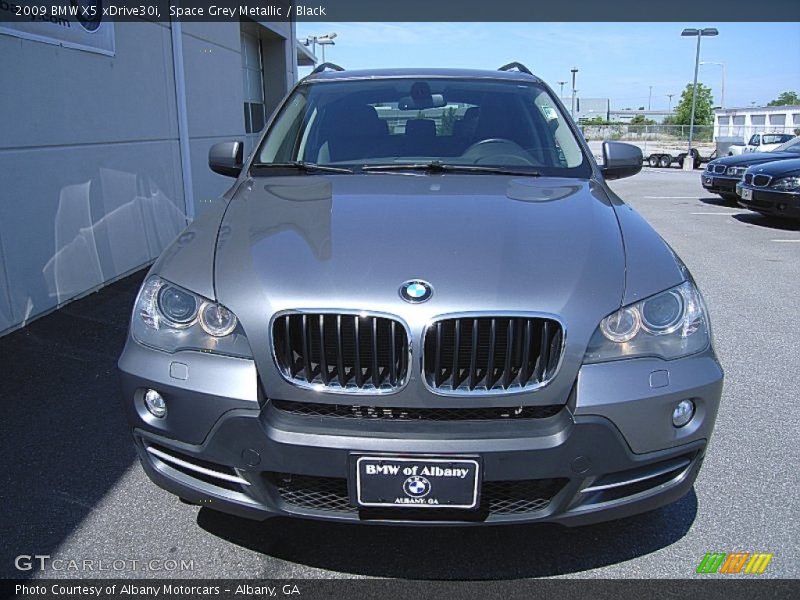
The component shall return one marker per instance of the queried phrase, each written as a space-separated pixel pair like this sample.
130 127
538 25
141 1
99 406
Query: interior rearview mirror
620 160
226 158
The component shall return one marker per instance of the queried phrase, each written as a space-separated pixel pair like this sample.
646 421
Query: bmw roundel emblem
416 291
416 486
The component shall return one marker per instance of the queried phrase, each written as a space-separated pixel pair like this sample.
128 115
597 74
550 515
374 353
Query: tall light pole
649 97
670 102
322 40
699 34
561 90
722 95
574 71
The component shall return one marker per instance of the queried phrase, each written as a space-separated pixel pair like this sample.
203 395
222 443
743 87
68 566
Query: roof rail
516 65
325 66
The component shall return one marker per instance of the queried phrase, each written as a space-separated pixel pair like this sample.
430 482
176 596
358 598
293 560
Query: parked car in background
772 188
403 322
722 174
760 142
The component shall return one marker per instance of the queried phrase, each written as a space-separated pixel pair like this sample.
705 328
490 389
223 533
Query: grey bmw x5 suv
420 303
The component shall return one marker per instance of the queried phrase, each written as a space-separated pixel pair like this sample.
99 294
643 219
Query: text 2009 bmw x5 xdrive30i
420 302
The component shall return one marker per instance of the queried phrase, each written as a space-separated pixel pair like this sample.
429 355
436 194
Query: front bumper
719 184
770 202
608 453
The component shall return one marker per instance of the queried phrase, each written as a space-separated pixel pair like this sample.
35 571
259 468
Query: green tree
704 112
786 99
642 120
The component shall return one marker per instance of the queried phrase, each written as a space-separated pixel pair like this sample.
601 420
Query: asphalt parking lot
70 486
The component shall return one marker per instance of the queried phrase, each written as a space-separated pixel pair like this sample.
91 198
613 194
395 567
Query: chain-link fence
647 133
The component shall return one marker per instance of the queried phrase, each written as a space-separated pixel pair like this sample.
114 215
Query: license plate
417 482
747 194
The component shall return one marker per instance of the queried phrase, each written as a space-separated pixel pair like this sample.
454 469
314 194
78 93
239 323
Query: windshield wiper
438 167
301 165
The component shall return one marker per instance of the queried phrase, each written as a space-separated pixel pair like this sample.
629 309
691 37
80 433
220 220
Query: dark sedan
722 174
772 189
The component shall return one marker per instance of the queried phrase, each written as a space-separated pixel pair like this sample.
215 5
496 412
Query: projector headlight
170 318
669 325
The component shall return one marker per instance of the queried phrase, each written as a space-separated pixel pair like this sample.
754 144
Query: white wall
91 186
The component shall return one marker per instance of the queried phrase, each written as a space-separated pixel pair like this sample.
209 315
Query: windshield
464 122
793 145
775 139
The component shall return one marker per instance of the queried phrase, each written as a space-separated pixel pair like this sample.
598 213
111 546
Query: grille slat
455 351
323 363
306 350
393 356
761 180
342 352
454 372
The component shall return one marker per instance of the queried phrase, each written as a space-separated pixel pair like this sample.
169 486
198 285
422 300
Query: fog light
682 413
156 405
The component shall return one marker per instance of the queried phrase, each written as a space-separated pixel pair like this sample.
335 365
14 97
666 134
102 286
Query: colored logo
734 562
416 486
416 291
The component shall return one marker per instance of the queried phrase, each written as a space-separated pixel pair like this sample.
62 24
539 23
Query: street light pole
649 97
561 90
670 102
698 33
574 71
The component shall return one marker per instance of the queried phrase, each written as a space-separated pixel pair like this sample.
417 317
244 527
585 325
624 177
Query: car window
409 120
753 140
776 139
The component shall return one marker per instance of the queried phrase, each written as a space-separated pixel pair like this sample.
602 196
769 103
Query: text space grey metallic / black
421 303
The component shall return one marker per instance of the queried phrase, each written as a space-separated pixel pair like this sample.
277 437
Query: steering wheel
497 150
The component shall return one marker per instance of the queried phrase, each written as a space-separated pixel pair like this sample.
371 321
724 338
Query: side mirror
620 160
226 158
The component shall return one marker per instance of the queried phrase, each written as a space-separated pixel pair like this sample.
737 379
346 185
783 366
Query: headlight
171 318
736 171
787 184
669 325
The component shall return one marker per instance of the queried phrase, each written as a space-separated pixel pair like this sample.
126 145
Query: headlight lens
669 325
177 306
217 320
787 184
171 318
736 171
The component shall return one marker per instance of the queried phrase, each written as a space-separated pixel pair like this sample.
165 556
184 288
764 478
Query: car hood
493 244
753 158
781 168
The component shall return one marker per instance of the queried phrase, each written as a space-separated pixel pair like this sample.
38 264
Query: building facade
742 123
104 149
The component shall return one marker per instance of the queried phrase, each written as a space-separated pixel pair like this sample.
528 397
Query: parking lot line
671 197
797 241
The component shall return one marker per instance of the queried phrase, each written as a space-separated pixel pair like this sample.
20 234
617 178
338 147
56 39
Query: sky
614 60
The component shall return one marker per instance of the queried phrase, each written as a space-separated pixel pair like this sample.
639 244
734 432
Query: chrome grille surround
520 369
367 368
760 180
720 169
